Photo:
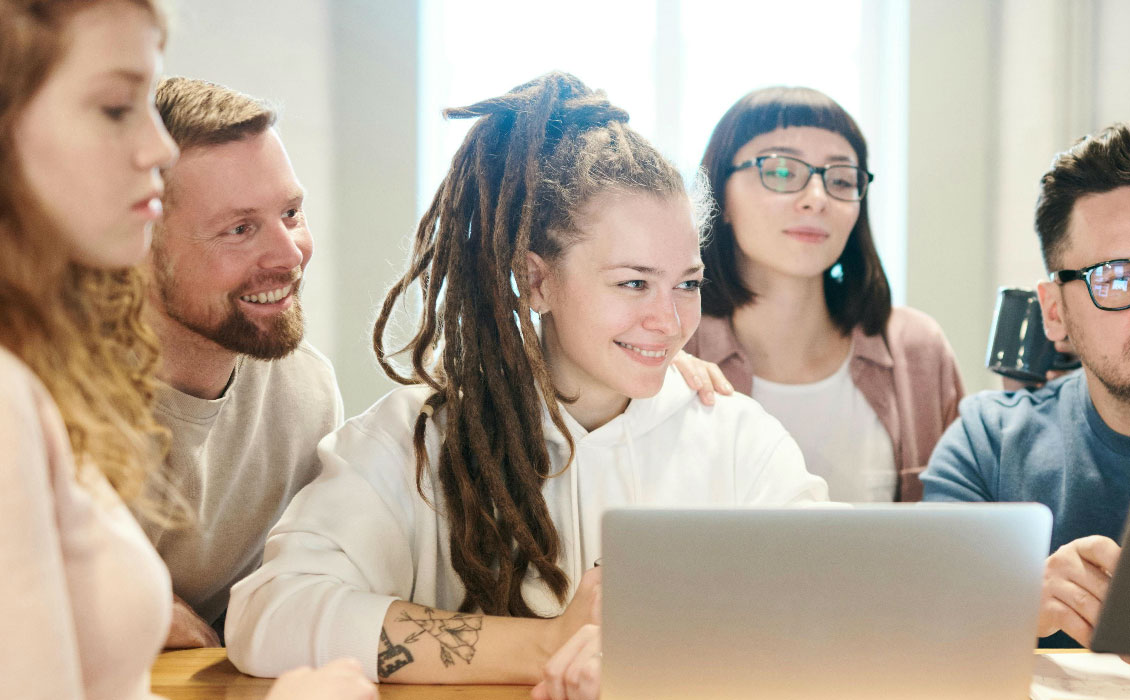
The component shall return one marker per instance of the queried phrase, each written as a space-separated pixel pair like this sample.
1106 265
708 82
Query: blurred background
963 103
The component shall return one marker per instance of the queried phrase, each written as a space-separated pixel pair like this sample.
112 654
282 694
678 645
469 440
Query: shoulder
24 395
1009 411
390 421
914 331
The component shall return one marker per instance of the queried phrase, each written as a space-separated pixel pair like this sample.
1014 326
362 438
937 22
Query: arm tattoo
391 658
457 635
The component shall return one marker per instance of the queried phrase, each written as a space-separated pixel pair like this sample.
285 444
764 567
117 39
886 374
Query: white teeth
645 353
268 297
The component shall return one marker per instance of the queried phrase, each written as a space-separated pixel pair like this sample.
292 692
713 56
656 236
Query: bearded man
245 399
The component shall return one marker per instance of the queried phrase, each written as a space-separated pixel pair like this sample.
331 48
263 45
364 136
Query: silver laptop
894 601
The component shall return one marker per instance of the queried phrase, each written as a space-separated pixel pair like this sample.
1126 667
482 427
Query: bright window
675 65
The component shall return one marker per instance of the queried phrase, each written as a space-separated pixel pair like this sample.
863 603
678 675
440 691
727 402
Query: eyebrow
645 270
127 74
297 197
785 150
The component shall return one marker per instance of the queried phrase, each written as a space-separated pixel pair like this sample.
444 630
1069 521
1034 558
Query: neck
190 363
787 331
1114 411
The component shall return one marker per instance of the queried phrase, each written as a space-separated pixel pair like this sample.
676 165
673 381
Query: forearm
424 645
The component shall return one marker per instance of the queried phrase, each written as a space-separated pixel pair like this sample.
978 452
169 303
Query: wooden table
206 674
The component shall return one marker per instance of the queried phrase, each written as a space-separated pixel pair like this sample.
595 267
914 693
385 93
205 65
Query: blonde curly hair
79 329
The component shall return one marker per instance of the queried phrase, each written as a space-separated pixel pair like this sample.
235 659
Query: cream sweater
360 536
84 599
238 460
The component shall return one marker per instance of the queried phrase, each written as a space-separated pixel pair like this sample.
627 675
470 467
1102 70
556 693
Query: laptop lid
907 601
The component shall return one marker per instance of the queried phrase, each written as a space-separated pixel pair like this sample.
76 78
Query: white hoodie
360 536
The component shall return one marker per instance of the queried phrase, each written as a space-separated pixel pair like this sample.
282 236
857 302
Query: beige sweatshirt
239 460
84 599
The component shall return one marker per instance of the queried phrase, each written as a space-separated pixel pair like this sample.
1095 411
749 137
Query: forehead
109 40
805 142
640 229
1099 228
250 173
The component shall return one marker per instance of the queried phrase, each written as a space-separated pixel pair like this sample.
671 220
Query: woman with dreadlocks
448 537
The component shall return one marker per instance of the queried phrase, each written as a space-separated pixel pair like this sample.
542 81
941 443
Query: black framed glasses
788 174
1108 283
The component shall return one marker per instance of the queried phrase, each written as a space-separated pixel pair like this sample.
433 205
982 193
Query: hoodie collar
640 416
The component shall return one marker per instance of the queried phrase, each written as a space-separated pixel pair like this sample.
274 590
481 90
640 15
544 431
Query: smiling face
90 142
621 302
798 234
233 246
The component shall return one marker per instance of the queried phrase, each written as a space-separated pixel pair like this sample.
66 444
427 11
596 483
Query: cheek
690 314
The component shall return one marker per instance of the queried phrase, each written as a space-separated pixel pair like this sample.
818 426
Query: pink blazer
908 375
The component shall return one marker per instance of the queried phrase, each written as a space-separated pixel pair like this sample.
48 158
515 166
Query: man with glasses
1067 444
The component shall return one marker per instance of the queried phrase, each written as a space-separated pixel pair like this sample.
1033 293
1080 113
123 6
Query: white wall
989 90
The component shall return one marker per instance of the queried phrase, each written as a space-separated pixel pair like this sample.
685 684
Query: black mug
1018 348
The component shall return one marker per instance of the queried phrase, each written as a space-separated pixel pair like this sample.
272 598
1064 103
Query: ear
537 274
1051 307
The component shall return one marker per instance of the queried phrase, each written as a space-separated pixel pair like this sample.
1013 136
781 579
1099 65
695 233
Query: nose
156 148
663 316
286 246
814 197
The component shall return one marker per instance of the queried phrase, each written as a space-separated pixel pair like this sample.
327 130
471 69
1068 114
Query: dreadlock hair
517 184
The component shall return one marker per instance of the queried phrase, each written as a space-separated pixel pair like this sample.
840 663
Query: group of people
179 472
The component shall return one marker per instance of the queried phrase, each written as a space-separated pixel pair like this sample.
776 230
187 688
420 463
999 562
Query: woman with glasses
798 310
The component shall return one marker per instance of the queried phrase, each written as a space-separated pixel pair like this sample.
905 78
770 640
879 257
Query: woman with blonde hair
84 597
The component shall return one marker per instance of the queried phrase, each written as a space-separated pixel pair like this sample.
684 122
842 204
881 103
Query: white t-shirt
838 432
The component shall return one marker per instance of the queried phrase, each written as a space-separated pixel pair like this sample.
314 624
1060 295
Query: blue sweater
1049 446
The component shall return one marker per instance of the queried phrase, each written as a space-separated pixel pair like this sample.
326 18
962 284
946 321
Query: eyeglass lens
1110 284
784 174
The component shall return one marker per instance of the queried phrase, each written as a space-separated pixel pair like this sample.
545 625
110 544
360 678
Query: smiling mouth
645 353
268 297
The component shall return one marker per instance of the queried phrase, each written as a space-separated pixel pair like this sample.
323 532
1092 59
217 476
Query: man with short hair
245 399
1067 444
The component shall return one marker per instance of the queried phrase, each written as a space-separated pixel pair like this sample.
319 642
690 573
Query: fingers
704 377
721 384
341 679
1100 551
574 670
1076 580
1070 608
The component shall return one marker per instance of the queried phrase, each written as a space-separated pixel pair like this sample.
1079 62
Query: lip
647 347
807 234
149 207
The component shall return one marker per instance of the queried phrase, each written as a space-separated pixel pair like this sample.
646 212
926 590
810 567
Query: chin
645 388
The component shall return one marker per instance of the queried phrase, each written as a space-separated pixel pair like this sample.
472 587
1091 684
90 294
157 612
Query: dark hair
520 182
862 296
1096 164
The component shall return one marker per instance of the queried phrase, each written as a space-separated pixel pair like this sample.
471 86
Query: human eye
692 285
116 113
780 168
238 230
633 284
